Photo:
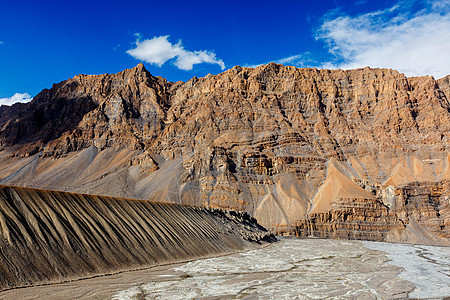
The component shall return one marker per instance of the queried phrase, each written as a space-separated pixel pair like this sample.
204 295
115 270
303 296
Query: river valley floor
289 269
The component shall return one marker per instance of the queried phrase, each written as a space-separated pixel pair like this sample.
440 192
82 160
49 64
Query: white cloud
297 60
159 50
17 97
414 43
291 60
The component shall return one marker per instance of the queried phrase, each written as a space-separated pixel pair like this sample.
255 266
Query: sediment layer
415 213
49 236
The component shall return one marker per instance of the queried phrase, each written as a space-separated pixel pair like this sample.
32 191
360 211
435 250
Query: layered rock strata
417 212
285 144
50 236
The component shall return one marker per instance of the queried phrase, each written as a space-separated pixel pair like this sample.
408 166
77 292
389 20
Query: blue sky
45 42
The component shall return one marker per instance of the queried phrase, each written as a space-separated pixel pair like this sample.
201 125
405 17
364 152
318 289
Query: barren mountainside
350 154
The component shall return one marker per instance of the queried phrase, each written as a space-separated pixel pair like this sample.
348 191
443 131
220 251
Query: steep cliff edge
274 141
50 236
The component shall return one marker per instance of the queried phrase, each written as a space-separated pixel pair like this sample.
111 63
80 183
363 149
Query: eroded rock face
365 219
118 110
419 213
287 145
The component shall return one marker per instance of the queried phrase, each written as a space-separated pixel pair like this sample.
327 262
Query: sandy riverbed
303 268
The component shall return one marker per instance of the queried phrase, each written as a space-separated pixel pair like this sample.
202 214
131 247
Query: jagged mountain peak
141 106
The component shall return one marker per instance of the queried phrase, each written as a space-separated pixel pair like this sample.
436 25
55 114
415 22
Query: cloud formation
159 50
17 97
414 43
298 60
291 60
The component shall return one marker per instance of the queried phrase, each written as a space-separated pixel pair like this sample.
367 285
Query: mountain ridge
258 140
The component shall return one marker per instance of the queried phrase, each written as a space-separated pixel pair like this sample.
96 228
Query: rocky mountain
361 153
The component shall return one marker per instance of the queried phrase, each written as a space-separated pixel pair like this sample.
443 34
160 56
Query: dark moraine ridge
51 236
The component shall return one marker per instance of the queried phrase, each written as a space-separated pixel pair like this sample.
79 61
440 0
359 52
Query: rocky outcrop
50 236
424 204
360 219
417 212
274 141
106 110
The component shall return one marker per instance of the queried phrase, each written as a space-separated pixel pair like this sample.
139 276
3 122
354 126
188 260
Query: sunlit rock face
299 149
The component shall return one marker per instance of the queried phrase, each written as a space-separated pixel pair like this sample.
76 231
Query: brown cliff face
282 143
105 110
417 212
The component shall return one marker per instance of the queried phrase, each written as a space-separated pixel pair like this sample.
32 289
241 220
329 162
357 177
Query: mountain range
357 154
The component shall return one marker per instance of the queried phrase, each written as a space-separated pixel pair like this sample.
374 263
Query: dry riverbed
289 269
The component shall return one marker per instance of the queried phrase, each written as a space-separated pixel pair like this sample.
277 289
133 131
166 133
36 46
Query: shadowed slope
53 236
